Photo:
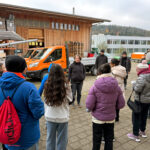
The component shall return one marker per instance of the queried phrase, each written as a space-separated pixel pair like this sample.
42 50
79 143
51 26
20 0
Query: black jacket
126 62
76 72
100 60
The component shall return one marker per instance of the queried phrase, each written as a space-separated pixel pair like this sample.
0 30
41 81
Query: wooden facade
42 25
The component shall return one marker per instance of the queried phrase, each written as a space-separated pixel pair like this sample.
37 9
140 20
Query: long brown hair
55 87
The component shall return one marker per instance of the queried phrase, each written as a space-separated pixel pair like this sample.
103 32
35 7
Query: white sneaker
143 134
133 137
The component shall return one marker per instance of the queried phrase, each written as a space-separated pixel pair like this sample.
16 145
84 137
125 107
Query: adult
26 100
142 98
119 73
76 76
101 59
125 62
44 80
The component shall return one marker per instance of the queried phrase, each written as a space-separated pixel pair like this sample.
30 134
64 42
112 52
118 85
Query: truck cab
32 53
38 65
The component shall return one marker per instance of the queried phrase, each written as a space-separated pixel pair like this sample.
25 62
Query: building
50 28
116 44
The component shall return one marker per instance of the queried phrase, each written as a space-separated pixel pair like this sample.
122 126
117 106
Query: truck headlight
34 64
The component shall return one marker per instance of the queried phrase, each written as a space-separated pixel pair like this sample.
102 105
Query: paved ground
80 126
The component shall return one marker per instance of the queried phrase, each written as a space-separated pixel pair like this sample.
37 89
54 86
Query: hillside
119 30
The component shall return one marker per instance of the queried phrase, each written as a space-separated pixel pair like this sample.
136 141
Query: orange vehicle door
57 56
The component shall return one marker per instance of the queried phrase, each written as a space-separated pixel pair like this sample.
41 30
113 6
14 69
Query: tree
102 45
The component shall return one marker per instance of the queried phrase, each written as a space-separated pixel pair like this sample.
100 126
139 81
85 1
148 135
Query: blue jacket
29 107
44 80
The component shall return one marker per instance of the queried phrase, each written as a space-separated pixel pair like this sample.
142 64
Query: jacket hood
10 80
119 71
50 66
106 83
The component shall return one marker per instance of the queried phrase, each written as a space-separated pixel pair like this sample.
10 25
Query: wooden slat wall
57 37
23 32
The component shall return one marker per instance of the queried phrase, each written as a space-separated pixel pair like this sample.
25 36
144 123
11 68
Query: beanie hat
15 63
142 66
102 50
148 56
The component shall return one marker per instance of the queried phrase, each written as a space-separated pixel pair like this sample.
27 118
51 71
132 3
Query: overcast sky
120 12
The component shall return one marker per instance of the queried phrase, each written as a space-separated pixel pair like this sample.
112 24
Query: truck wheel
94 71
43 74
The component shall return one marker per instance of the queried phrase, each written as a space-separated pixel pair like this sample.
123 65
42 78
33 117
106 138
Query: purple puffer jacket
104 97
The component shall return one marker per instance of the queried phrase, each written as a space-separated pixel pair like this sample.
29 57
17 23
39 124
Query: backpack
10 125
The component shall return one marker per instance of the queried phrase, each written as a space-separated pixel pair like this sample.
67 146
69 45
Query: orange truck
38 65
32 53
137 56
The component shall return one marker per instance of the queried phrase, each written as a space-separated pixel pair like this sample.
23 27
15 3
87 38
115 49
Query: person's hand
128 72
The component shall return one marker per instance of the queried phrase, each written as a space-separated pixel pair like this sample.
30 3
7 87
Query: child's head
55 91
114 62
103 69
142 66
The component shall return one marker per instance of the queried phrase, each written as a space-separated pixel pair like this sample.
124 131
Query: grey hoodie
142 88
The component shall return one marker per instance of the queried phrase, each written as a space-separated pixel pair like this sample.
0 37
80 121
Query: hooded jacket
29 107
44 80
119 73
76 73
104 97
142 87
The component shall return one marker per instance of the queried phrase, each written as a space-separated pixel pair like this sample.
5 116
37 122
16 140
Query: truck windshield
35 53
28 54
42 53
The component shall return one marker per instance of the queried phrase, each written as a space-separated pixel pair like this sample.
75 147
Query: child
103 99
142 98
119 73
57 94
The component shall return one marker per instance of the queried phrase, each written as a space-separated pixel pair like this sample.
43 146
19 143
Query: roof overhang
10 35
20 9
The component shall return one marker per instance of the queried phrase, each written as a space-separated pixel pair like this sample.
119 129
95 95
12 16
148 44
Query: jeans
98 130
76 87
57 136
139 120
34 147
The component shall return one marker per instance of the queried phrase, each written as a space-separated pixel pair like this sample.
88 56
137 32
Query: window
148 42
131 42
57 25
57 54
136 50
65 26
77 27
109 41
116 42
73 27
137 42
130 50
69 26
143 42
53 25
123 42
61 26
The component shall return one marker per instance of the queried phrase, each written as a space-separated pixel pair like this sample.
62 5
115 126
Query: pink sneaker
133 137
143 134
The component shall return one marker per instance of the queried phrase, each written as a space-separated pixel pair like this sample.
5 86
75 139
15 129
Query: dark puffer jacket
142 87
126 62
76 72
100 60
